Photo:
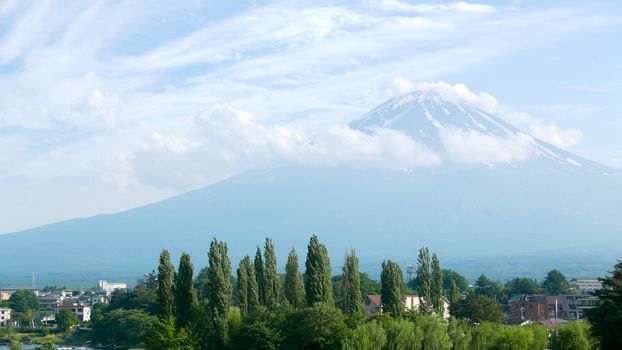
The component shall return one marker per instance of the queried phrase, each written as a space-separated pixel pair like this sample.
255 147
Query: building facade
539 307
5 293
5 317
82 312
49 303
586 285
110 287
372 303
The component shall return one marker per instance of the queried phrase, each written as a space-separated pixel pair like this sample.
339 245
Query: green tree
369 285
571 336
351 286
321 326
483 336
606 318
477 308
555 283
271 278
437 286
458 332
540 336
141 297
126 328
492 289
522 285
484 286
260 330
65 319
402 334
435 335
219 294
163 335
392 293
25 304
200 285
454 294
23 301
258 334
186 301
513 338
166 286
424 280
259 273
368 336
318 283
247 287
253 288
293 288
452 276
242 284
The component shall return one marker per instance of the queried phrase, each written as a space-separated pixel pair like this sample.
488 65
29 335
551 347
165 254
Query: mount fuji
496 200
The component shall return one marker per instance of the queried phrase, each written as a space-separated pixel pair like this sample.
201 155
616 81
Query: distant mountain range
518 214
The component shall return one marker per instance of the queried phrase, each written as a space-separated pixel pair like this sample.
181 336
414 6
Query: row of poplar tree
185 324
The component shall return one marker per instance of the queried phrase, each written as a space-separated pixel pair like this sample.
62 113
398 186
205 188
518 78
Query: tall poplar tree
166 286
392 288
272 286
186 301
437 286
318 284
243 287
247 287
252 294
424 280
219 295
293 288
351 286
259 271
454 294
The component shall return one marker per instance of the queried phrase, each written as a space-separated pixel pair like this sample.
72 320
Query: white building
586 285
5 316
373 304
413 301
110 287
83 312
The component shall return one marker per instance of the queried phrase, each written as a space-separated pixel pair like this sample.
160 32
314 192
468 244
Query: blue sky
107 105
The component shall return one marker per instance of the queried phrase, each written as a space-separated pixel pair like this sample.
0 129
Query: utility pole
33 279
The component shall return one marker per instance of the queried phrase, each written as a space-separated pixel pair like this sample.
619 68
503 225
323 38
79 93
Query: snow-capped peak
462 126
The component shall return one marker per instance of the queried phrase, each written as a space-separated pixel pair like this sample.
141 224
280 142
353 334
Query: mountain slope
479 216
430 116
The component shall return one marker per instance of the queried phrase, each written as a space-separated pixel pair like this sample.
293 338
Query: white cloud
397 87
460 93
460 6
475 147
457 93
107 107
554 135
546 132
229 141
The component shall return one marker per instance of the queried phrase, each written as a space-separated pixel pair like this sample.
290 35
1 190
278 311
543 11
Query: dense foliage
318 311
477 308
